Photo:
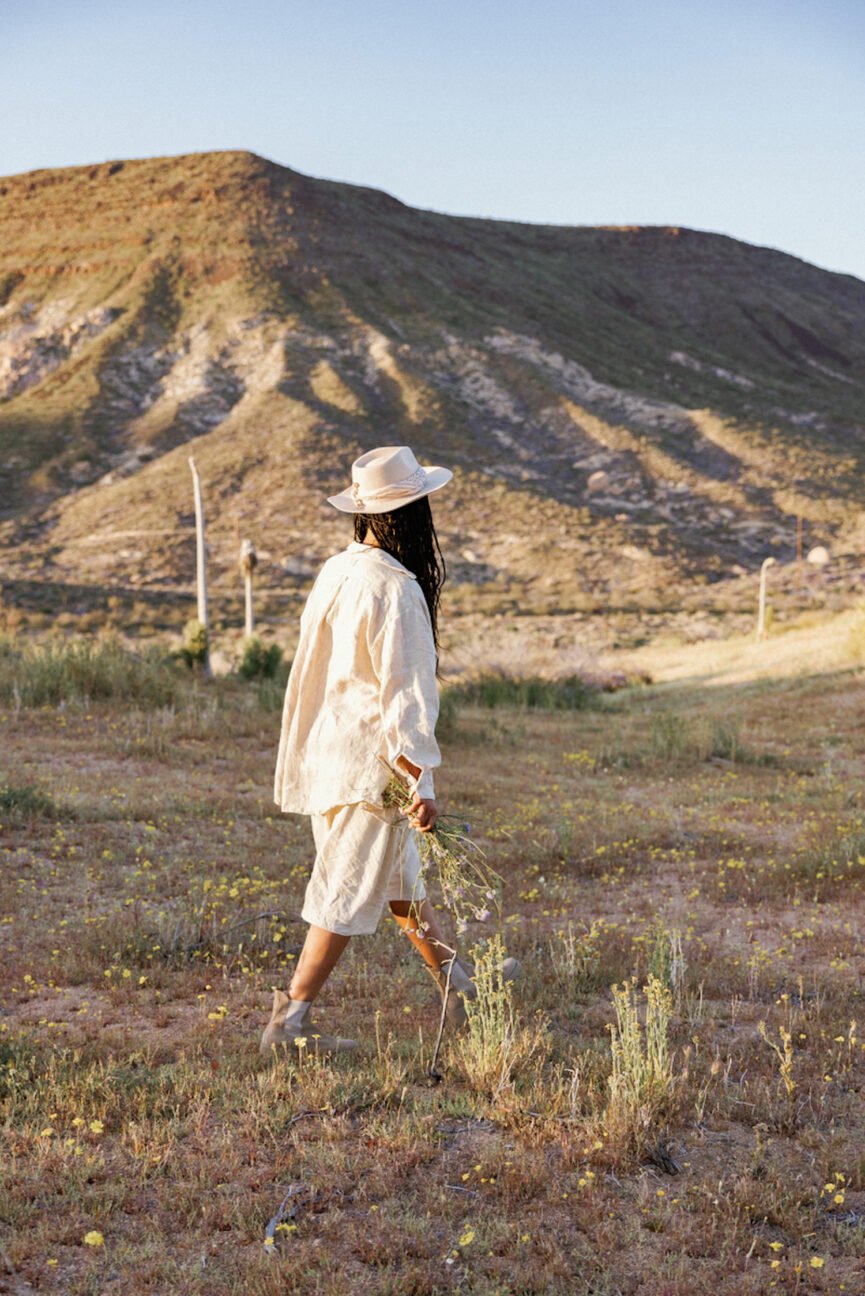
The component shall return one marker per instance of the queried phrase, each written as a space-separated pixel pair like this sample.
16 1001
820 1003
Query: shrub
84 670
26 801
259 662
494 1048
195 643
642 1081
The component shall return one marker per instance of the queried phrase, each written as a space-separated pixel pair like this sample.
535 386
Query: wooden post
200 565
248 561
761 609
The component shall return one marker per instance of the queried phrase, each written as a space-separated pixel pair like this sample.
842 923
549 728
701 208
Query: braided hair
408 534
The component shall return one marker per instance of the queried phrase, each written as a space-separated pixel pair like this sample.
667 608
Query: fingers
423 814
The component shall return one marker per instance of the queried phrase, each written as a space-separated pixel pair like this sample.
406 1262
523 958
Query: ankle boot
289 1023
462 986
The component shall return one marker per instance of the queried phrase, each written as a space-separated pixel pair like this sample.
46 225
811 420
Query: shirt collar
379 555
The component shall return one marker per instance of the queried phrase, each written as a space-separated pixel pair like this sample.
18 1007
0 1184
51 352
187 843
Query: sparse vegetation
83 671
148 902
572 693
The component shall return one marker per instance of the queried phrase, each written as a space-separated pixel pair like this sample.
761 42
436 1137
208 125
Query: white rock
819 556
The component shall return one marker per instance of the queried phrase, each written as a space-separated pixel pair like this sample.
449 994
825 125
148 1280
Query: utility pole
200 565
248 561
761 609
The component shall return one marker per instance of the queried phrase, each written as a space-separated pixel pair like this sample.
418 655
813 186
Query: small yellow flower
300 1042
467 1236
817 1262
777 1246
776 1264
94 1238
268 1242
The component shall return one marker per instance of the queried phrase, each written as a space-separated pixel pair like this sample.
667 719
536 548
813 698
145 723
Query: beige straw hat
387 478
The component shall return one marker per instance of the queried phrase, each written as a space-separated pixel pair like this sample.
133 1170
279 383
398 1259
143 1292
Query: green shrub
26 801
195 643
83 671
259 661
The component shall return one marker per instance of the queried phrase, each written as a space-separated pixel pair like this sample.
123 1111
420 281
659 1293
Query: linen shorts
364 859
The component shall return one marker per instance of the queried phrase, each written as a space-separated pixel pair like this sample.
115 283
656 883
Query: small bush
195 644
83 671
259 662
26 801
642 1081
494 1048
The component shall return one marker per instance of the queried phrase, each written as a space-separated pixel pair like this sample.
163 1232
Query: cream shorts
364 859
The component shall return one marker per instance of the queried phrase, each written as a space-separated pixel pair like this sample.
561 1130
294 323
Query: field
704 836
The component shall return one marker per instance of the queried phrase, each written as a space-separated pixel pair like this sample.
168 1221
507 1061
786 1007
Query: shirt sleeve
403 657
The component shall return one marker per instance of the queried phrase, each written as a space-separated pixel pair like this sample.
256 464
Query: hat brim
346 502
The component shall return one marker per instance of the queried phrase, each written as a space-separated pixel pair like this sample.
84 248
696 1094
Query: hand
423 814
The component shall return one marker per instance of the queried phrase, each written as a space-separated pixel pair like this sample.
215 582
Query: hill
632 413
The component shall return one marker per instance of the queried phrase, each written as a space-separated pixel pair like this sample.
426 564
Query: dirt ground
713 836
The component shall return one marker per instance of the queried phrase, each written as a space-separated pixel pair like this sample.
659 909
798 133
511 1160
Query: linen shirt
362 686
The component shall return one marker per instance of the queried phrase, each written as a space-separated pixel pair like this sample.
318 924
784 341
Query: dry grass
147 905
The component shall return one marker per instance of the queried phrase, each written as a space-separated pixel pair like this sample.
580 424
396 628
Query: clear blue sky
741 116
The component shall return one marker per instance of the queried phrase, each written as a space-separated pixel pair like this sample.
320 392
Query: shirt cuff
424 786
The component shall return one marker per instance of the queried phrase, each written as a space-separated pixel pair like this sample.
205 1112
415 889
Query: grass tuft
82 671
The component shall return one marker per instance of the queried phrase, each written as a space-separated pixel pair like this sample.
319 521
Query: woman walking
361 696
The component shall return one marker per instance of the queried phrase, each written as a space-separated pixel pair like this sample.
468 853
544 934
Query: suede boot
289 1023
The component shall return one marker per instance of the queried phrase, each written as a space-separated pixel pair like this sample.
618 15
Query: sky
744 117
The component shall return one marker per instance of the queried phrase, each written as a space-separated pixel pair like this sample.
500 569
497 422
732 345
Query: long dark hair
409 535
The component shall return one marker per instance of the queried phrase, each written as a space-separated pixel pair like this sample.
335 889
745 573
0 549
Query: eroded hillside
632 414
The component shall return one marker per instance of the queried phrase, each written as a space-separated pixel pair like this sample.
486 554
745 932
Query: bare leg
319 956
432 944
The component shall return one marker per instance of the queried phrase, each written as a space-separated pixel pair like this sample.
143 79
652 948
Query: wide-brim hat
386 479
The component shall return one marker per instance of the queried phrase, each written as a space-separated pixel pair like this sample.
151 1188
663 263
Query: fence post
248 560
761 607
200 565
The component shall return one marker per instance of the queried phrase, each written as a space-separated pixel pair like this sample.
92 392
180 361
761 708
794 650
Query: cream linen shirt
362 686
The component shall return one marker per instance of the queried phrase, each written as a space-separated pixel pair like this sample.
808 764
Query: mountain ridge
664 402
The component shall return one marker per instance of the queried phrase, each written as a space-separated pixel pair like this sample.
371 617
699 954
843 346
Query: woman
361 697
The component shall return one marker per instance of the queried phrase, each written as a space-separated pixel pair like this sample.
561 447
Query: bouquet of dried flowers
470 887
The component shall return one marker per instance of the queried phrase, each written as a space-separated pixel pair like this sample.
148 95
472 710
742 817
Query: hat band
393 490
